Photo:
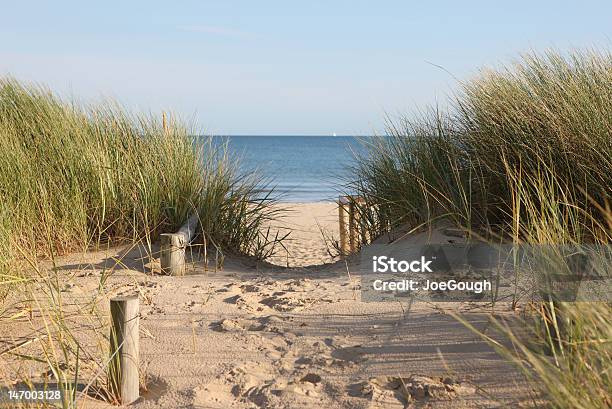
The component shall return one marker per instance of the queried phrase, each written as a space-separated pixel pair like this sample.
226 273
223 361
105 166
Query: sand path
261 336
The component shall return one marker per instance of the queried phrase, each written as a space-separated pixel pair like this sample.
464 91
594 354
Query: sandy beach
313 227
282 205
265 336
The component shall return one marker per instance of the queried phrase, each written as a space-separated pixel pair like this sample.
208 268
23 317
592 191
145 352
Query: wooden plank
188 230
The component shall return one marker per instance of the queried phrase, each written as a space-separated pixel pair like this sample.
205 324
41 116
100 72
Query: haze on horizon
281 67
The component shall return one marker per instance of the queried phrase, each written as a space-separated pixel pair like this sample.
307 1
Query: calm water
304 168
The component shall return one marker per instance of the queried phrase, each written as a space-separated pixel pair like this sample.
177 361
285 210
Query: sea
302 168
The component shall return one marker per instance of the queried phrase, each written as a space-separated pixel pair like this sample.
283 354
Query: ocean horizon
302 168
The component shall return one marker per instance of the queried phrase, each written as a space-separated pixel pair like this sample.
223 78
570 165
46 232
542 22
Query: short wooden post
353 226
359 231
124 348
172 256
351 229
343 216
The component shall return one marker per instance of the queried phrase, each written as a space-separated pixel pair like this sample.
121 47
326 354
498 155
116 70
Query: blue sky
286 67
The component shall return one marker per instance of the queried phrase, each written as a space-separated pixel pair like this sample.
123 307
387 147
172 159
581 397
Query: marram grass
545 114
72 177
523 157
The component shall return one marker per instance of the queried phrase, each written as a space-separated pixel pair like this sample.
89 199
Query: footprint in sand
236 324
393 390
260 384
355 353
292 375
282 296
271 323
214 396
193 305
320 356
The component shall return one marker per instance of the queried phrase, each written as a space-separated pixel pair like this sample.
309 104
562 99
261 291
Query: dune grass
566 351
524 156
74 177
546 114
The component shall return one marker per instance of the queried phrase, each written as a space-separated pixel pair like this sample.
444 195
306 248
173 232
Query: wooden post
353 226
358 232
124 348
351 231
342 218
172 256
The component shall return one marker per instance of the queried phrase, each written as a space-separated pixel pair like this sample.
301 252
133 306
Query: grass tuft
524 157
73 177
